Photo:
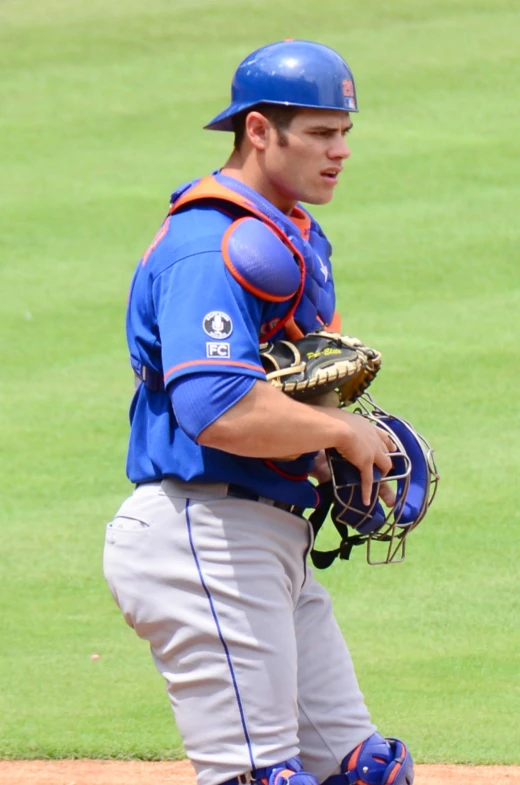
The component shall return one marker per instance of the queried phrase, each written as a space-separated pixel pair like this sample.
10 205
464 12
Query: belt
238 492
225 490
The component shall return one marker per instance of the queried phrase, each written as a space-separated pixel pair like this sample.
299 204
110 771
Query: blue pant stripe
220 634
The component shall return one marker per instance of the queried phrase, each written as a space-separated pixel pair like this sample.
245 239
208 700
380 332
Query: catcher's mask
413 478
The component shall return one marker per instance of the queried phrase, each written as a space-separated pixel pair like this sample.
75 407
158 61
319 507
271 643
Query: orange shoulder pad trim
302 221
209 188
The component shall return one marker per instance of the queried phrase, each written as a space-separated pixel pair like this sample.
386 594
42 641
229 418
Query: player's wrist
345 439
342 434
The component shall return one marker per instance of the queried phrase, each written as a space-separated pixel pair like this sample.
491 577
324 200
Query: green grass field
102 104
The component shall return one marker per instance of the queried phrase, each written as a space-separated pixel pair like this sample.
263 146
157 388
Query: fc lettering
218 350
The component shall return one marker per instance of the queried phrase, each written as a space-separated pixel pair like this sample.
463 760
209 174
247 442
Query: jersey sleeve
206 320
200 399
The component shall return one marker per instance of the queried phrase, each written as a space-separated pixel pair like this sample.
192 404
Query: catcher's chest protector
284 260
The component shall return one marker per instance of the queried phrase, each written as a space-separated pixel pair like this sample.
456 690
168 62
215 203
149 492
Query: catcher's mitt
318 363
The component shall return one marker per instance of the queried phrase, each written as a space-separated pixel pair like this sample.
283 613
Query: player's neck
253 177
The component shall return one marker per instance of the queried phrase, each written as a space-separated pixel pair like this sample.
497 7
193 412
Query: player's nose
339 149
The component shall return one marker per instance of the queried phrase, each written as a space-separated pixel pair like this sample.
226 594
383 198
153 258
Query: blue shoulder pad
260 261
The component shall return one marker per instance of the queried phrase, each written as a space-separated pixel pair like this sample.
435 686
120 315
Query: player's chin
321 196
322 192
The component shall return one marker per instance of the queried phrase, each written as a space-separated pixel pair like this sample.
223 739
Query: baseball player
207 558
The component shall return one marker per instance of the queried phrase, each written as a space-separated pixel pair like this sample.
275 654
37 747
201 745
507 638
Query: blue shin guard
288 772
376 761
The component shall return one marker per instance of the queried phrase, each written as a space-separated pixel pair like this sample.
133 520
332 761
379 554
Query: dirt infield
101 772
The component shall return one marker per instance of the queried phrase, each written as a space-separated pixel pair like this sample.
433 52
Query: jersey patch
217 324
221 349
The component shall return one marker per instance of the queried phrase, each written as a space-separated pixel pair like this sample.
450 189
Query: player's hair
280 116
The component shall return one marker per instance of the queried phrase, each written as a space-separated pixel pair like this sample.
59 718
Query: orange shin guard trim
285 774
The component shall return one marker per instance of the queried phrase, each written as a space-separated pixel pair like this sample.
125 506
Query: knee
376 761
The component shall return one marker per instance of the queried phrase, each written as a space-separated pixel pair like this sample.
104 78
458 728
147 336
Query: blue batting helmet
290 73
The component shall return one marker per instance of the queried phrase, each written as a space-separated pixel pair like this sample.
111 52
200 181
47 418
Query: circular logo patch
217 325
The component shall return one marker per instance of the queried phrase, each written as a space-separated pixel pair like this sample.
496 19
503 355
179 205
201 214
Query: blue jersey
189 314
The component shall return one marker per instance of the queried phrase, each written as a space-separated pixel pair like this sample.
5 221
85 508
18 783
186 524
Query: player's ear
257 128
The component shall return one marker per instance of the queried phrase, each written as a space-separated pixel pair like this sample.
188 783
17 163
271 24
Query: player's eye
325 133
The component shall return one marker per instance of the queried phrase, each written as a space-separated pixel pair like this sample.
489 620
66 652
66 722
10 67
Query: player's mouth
331 174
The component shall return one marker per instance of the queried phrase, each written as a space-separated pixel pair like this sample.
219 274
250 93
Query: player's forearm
267 423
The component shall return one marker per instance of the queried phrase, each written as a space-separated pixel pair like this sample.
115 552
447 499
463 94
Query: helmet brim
224 120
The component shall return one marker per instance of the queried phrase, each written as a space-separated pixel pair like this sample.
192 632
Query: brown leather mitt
318 363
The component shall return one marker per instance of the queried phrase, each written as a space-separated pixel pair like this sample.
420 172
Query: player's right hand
365 445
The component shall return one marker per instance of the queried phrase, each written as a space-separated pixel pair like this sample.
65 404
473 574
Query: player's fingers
386 494
383 461
386 439
367 481
392 447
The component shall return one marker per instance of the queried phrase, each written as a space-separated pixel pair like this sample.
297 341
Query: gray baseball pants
256 668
